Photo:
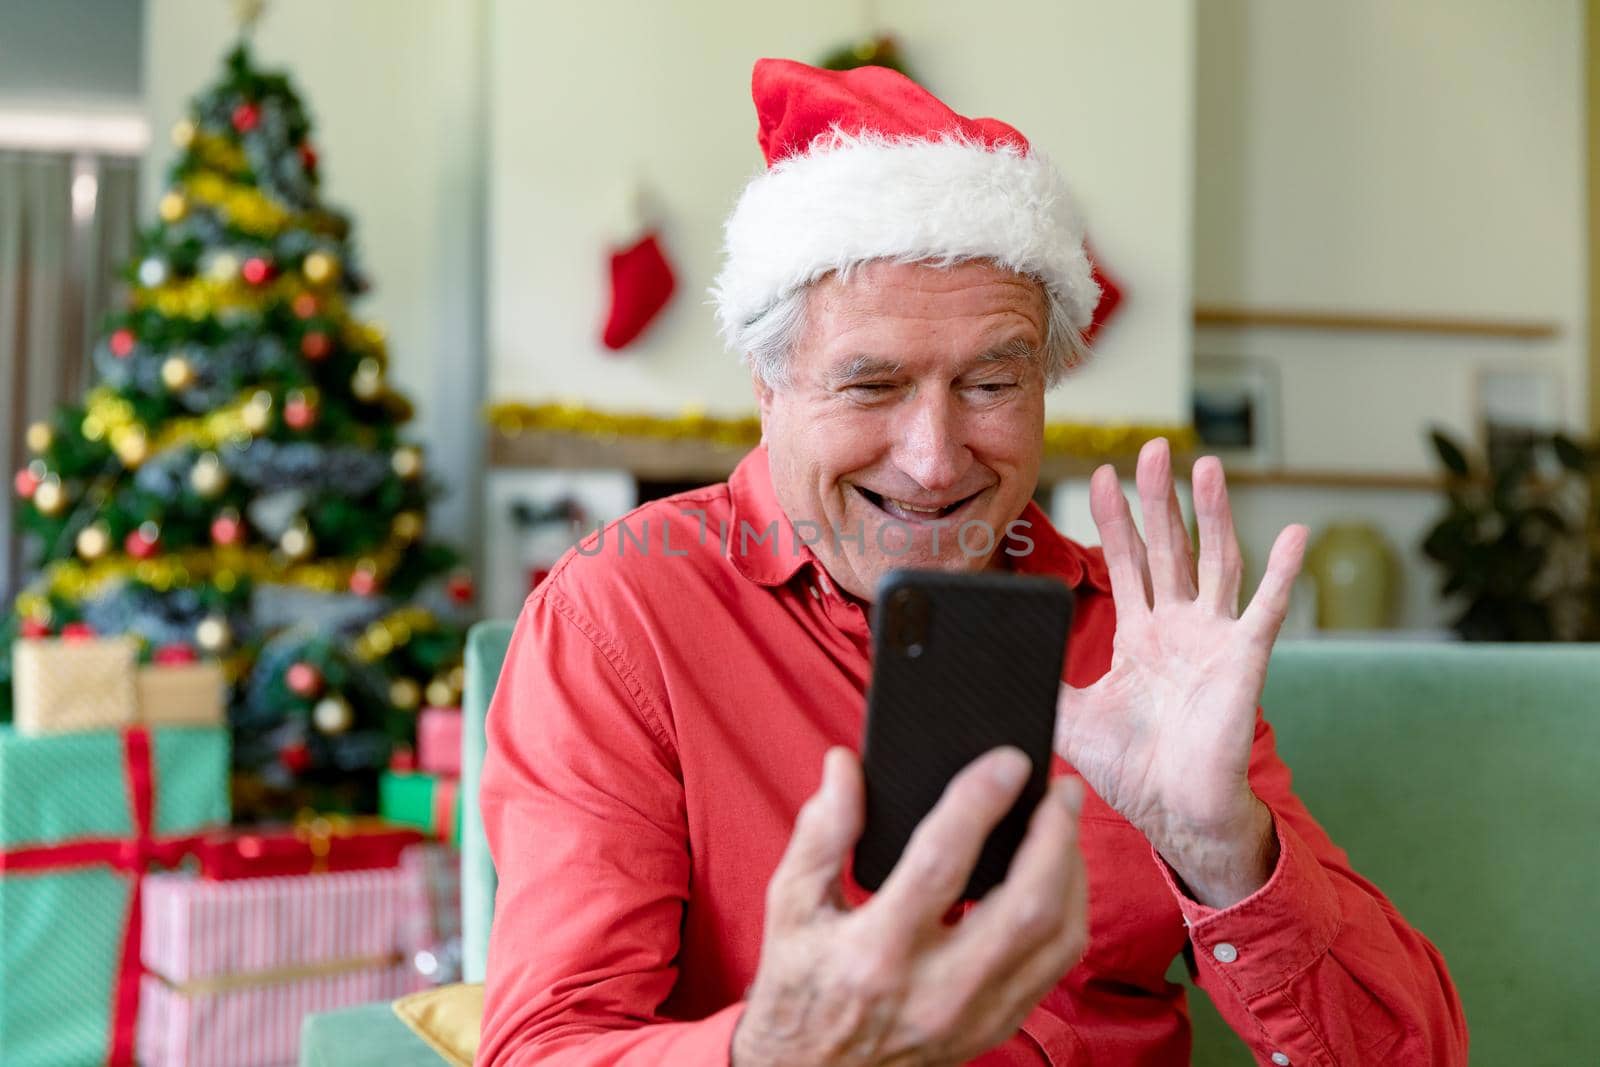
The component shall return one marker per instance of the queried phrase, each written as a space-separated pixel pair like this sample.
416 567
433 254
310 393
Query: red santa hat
865 164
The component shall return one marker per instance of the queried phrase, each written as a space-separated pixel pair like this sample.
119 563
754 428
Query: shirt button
814 594
1280 1059
1224 952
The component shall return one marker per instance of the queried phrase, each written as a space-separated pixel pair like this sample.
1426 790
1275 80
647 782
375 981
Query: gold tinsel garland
1082 440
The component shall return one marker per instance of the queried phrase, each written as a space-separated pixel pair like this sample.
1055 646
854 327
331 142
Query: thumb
825 830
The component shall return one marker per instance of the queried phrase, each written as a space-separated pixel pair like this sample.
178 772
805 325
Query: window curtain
67 226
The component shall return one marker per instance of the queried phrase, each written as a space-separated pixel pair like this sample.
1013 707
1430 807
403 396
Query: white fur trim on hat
850 199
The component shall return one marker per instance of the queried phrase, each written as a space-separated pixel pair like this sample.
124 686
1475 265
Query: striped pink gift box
257 1026
195 929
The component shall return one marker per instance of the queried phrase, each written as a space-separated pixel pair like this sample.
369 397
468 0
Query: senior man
905 283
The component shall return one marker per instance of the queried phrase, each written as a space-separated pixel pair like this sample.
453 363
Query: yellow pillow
447 1018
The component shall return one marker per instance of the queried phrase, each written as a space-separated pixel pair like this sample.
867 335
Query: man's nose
931 448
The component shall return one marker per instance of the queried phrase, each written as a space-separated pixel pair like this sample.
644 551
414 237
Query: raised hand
888 984
1164 737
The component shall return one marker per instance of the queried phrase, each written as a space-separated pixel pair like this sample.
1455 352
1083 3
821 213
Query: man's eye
867 389
995 388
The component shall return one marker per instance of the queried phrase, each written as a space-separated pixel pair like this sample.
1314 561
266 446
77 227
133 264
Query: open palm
1164 737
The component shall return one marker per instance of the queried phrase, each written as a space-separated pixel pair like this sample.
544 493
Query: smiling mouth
903 511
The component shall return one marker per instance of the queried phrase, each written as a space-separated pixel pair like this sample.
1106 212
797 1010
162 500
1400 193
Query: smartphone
962 664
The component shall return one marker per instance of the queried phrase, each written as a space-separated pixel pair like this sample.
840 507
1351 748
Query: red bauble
299 414
303 679
256 270
308 155
246 117
363 582
32 627
305 306
25 483
461 588
174 655
225 529
77 631
315 345
139 546
121 343
402 759
295 756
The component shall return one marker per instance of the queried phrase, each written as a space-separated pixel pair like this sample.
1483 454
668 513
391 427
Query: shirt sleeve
1317 967
586 822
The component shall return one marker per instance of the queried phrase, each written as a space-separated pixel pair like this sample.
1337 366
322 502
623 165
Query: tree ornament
295 756
177 373
246 117
223 267
308 155
183 133
33 627
256 270
403 759
208 476
407 461
93 541
363 581
305 305
131 445
213 634
152 272
439 694
297 542
257 412
143 542
320 268
121 343
173 207
299 411
26 483
174 654
40 437
77 631
315 345
333 714
226 528
303 679
50 498
367 382
460 587
405 693
407 525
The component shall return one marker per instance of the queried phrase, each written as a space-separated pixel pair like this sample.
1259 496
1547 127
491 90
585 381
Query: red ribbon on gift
324 844
134 856
444 808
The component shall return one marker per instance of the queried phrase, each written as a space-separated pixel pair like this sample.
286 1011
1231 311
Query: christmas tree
235 484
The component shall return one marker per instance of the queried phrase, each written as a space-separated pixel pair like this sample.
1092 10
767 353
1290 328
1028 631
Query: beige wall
585 95
394 88
1417 158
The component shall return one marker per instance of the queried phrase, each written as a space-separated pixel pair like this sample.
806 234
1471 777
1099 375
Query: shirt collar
754 501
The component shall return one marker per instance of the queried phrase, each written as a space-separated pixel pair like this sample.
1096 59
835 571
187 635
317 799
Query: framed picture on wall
1236 410
1517 403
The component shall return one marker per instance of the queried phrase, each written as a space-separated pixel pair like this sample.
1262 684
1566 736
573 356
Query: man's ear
763 393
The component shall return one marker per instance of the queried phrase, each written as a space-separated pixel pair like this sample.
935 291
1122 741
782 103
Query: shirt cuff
1274 933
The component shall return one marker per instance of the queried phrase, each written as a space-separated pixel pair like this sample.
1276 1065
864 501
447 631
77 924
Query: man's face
914 413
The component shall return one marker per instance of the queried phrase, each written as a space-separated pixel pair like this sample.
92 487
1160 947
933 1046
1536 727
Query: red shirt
661 717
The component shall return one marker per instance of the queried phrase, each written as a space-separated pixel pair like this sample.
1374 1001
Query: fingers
825 830
1271 603
1166 540
1221 565
1039 910
939 858
1125 552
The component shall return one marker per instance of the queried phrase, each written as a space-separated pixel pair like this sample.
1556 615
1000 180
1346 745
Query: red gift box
312 846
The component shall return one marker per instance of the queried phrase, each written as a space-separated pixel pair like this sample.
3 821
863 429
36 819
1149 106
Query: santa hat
865 164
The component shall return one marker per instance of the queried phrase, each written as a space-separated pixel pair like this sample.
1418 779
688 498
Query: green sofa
1463 779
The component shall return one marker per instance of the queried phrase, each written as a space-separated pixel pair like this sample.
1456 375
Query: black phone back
962 664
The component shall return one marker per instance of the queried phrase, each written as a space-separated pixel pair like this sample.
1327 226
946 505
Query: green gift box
429 802
82 817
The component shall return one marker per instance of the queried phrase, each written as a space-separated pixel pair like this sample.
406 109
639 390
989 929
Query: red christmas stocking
641 285
1110 297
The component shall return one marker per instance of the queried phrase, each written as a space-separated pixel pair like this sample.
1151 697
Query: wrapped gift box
82 816
439 741
182 694
66 684
428 802
236 965
314 846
